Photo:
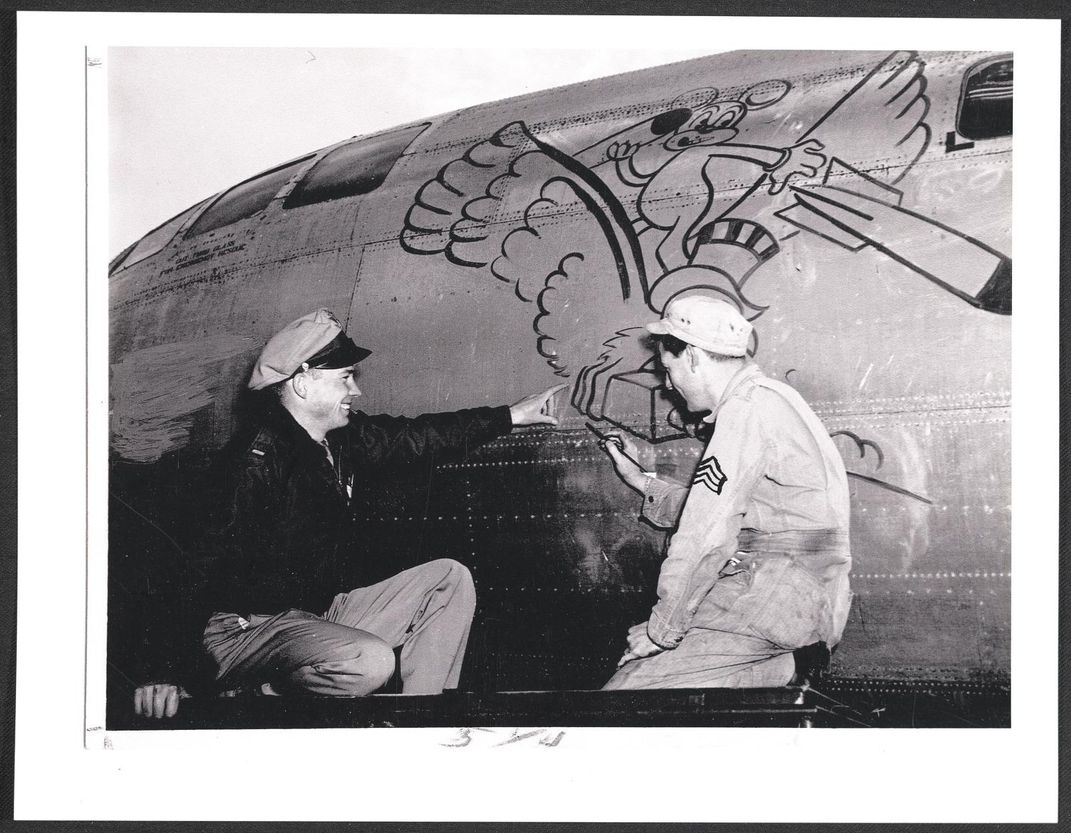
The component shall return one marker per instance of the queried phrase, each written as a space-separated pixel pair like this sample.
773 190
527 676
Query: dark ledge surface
834 703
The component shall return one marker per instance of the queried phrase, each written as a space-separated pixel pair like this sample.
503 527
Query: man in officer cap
271 614
757 565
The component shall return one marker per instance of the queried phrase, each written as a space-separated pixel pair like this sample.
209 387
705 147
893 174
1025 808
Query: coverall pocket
791 604
723 595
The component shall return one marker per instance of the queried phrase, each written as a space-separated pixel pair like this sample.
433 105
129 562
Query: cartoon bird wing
455 213
474 202
880 125
866 142
521 210
877 130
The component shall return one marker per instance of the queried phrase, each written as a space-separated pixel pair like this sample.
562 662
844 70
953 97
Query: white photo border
598 774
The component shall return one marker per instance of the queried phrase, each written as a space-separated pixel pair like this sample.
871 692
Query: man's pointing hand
536 409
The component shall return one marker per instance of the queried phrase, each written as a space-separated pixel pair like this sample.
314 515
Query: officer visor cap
706 322
316 339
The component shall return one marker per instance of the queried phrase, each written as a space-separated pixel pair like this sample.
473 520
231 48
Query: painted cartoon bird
518 208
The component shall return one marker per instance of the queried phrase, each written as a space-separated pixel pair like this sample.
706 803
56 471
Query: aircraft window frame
260 203
326 181
120 258
987 125
142 248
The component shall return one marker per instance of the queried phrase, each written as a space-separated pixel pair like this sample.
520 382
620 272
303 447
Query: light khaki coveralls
758 565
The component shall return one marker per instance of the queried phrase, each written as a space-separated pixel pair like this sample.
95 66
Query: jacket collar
281 422
749 371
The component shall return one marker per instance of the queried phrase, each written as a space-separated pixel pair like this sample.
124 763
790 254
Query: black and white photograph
655 402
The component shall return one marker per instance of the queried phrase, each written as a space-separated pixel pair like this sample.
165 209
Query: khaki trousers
348 651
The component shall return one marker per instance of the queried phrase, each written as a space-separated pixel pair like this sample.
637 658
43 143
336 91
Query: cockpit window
119 258
356 168
246 199
154 241
985 105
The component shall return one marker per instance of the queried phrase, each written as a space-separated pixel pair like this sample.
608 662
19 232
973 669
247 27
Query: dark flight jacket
279 531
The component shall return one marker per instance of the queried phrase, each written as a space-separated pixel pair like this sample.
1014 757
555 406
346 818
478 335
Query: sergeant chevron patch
710 475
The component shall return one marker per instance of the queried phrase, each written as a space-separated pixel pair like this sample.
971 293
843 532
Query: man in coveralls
758 563
271 614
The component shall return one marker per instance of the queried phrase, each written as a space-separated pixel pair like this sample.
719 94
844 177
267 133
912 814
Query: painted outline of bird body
579 253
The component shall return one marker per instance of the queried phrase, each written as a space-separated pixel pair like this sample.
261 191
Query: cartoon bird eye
702 124
716 119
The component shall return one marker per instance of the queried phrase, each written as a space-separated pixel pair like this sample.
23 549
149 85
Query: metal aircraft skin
856 206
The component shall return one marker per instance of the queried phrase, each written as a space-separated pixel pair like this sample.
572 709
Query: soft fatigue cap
316 339
706 322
